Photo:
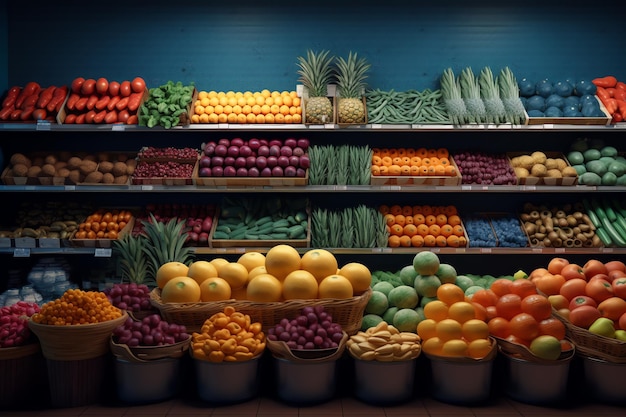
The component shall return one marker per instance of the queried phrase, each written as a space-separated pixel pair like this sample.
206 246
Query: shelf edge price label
21 253
102 253
118 127
43 125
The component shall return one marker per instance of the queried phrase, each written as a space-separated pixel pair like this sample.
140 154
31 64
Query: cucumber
250 236
266 228
220 235
301 216
263 220
281 230
278 236
615 236
281 223
295 231
223 228
604 236
238 234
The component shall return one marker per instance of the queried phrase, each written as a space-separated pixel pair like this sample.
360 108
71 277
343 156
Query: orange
407 210
264 288
256 271
524 326
613 308
549 284
417 241
432 346
400 219
170 270
479 348
453 241
376 160
427 329
319 262
441 219
359 275
501 286
485 297
389 218
537 306
454 220
434 230
384 209
462 311
508 306
201 270
430 219
418 218
448 329
499 327
410 229
523 287
454 348
218 263
446 230
573 287
281 259
180 290
405 241
335 286
395 209
387 161
553 327
251 260
396 230
442 153
235 274
430 241
441 241
393 241
301 285
474 329
422 229
458 230
436 310
395 169
215 289
450 293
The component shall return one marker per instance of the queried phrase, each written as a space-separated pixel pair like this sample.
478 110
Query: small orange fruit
359 275
264 288
300 284
215 289
319 262
201 270
235 274
281 259
170 270
335 286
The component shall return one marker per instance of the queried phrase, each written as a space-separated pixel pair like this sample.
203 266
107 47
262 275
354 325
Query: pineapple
351 75
315 74
132 258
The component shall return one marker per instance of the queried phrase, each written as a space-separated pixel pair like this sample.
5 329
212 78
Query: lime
546 347
446 274
575 158
406 320
370 320
426 263
403 296
388 315
426 285
591 154
377 304
383 286
408 274
608 151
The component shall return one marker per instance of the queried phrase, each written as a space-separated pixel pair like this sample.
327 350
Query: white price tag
147 187
43 125
102 253
118 127
21 253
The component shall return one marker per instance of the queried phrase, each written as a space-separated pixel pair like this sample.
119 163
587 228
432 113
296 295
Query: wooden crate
601 121
102 243
531 180
419 179
251 182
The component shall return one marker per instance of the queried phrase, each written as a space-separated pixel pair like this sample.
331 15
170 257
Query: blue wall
250 45
4 47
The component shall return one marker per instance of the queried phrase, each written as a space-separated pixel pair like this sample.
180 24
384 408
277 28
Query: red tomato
39 114
125 89
77 84
615 274
593 267
102 85
612 308
114 88
599 289
138 85
571 271
556 265
573 288
621 323
123 116
88 87
581 300
584 316
619 287
615 265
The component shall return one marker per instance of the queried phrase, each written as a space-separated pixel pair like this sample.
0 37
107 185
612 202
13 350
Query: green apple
546 347
620 334
603 326
520 275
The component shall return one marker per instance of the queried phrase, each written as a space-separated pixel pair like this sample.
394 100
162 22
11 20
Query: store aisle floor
344 406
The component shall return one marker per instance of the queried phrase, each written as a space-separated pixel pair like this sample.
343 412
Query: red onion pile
485 168
14 329
152 330
129 296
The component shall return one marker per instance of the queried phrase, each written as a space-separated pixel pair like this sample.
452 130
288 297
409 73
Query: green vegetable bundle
167 105
352 227
406 107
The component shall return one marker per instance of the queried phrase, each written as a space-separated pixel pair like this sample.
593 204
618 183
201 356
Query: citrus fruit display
423 226
412 162
247 107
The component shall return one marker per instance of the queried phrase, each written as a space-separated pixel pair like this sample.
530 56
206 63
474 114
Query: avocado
580 169
609 178
617 168
589 178
575 157
544 88
553 111
608 151
536 102
621 180
563 88
555 100
591 154
597 167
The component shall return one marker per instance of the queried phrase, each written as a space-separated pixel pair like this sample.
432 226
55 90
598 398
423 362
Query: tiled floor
344 406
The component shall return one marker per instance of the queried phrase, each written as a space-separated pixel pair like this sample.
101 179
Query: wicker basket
149 353
280 350
520 351
75 342
595 345
348 313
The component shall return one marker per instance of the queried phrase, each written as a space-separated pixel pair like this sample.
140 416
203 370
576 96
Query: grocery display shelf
469 188
47 126
107 252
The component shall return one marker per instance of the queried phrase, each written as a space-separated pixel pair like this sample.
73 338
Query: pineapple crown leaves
316 72
165 242
351 75
132 260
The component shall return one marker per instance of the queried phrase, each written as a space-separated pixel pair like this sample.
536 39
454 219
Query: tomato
593 267
571 271
39 114
89 116
621 323
615 265
125 89
599 289
114 88
123 116
102 86
77 84
619 287
181 289
581 300
615 274
584 316
88 87
556 265
509 305
573 288
111 117
138 85
612 308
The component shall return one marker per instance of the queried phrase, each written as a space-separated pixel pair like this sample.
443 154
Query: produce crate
423 180
305 97
119 178
64 112
169 181
531 180
490 217
248 182
336 116
602 121
102 243
185 118
142 158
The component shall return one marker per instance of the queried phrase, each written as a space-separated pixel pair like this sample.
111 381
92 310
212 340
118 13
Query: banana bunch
384 343
56 229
